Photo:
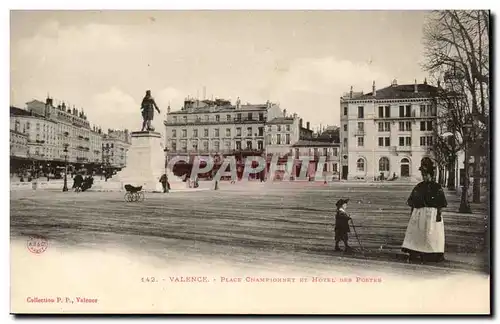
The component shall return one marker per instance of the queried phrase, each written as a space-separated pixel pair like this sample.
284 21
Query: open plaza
248 218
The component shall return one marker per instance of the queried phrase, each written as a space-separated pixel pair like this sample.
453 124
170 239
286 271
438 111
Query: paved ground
281 223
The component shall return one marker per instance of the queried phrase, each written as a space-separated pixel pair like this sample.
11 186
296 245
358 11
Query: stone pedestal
145 163
145 166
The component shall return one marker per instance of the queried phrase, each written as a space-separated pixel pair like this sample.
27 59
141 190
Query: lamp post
65 187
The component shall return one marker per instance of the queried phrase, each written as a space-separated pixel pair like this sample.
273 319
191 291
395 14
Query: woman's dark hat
340 202
426 165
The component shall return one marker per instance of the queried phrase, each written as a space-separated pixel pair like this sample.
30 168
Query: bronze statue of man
148 106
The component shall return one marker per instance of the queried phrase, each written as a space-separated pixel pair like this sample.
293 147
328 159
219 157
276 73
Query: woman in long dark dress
424 240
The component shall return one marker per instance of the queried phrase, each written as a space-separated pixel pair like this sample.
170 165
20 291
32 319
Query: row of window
279 140
278 128
216 132
206 118
403 126
216 146
383 164
404 111
48 131
403 141
315 151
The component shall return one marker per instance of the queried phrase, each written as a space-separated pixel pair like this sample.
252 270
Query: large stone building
218 128
42 142
386 132
212 127
71 129
41 133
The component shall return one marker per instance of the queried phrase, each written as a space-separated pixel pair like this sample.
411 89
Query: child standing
342 225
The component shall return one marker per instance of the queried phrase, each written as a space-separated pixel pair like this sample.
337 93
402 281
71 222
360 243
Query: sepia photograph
250 162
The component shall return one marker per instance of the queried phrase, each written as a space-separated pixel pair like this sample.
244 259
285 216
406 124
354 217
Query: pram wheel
128 197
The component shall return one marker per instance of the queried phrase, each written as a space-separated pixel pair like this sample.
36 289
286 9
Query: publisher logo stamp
37 244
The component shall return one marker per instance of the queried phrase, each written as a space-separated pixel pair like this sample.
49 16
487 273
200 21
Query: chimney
284 113
425 81
238 103
168 109
439 84
300 122
374 90
350 93
416 87
308 125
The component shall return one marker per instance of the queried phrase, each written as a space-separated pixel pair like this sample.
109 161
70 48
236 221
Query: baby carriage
133 194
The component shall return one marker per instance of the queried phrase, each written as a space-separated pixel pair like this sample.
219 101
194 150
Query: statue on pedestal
148 106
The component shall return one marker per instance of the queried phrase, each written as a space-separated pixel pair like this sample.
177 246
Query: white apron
424 234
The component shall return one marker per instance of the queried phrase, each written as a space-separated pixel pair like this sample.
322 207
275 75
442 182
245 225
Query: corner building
387 132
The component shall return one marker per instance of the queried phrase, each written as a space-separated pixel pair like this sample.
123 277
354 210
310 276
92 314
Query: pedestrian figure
342 225
424 239
164 183
77 182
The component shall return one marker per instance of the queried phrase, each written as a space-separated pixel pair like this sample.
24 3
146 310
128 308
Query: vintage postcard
250 162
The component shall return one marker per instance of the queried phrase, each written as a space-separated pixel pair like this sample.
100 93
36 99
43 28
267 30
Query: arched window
383 164
405 160
360 164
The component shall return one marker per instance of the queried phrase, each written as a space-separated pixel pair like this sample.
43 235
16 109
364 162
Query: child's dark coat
341 225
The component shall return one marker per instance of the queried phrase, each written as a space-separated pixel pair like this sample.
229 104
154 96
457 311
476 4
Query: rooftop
221 109
281 120
396 91
14 111
311 143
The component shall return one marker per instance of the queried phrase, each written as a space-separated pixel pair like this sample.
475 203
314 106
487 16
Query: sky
104 61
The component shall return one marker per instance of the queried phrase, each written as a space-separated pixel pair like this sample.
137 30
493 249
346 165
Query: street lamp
65 187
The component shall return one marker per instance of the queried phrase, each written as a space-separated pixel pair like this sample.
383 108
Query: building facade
53 134
316 151
115 145
387 132
281 133
18 144
42 142
214 127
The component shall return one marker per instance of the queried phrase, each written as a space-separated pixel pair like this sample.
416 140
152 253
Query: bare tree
453 131
445 148
457 48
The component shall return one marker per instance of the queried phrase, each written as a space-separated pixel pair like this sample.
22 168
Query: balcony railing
403 148
359 133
